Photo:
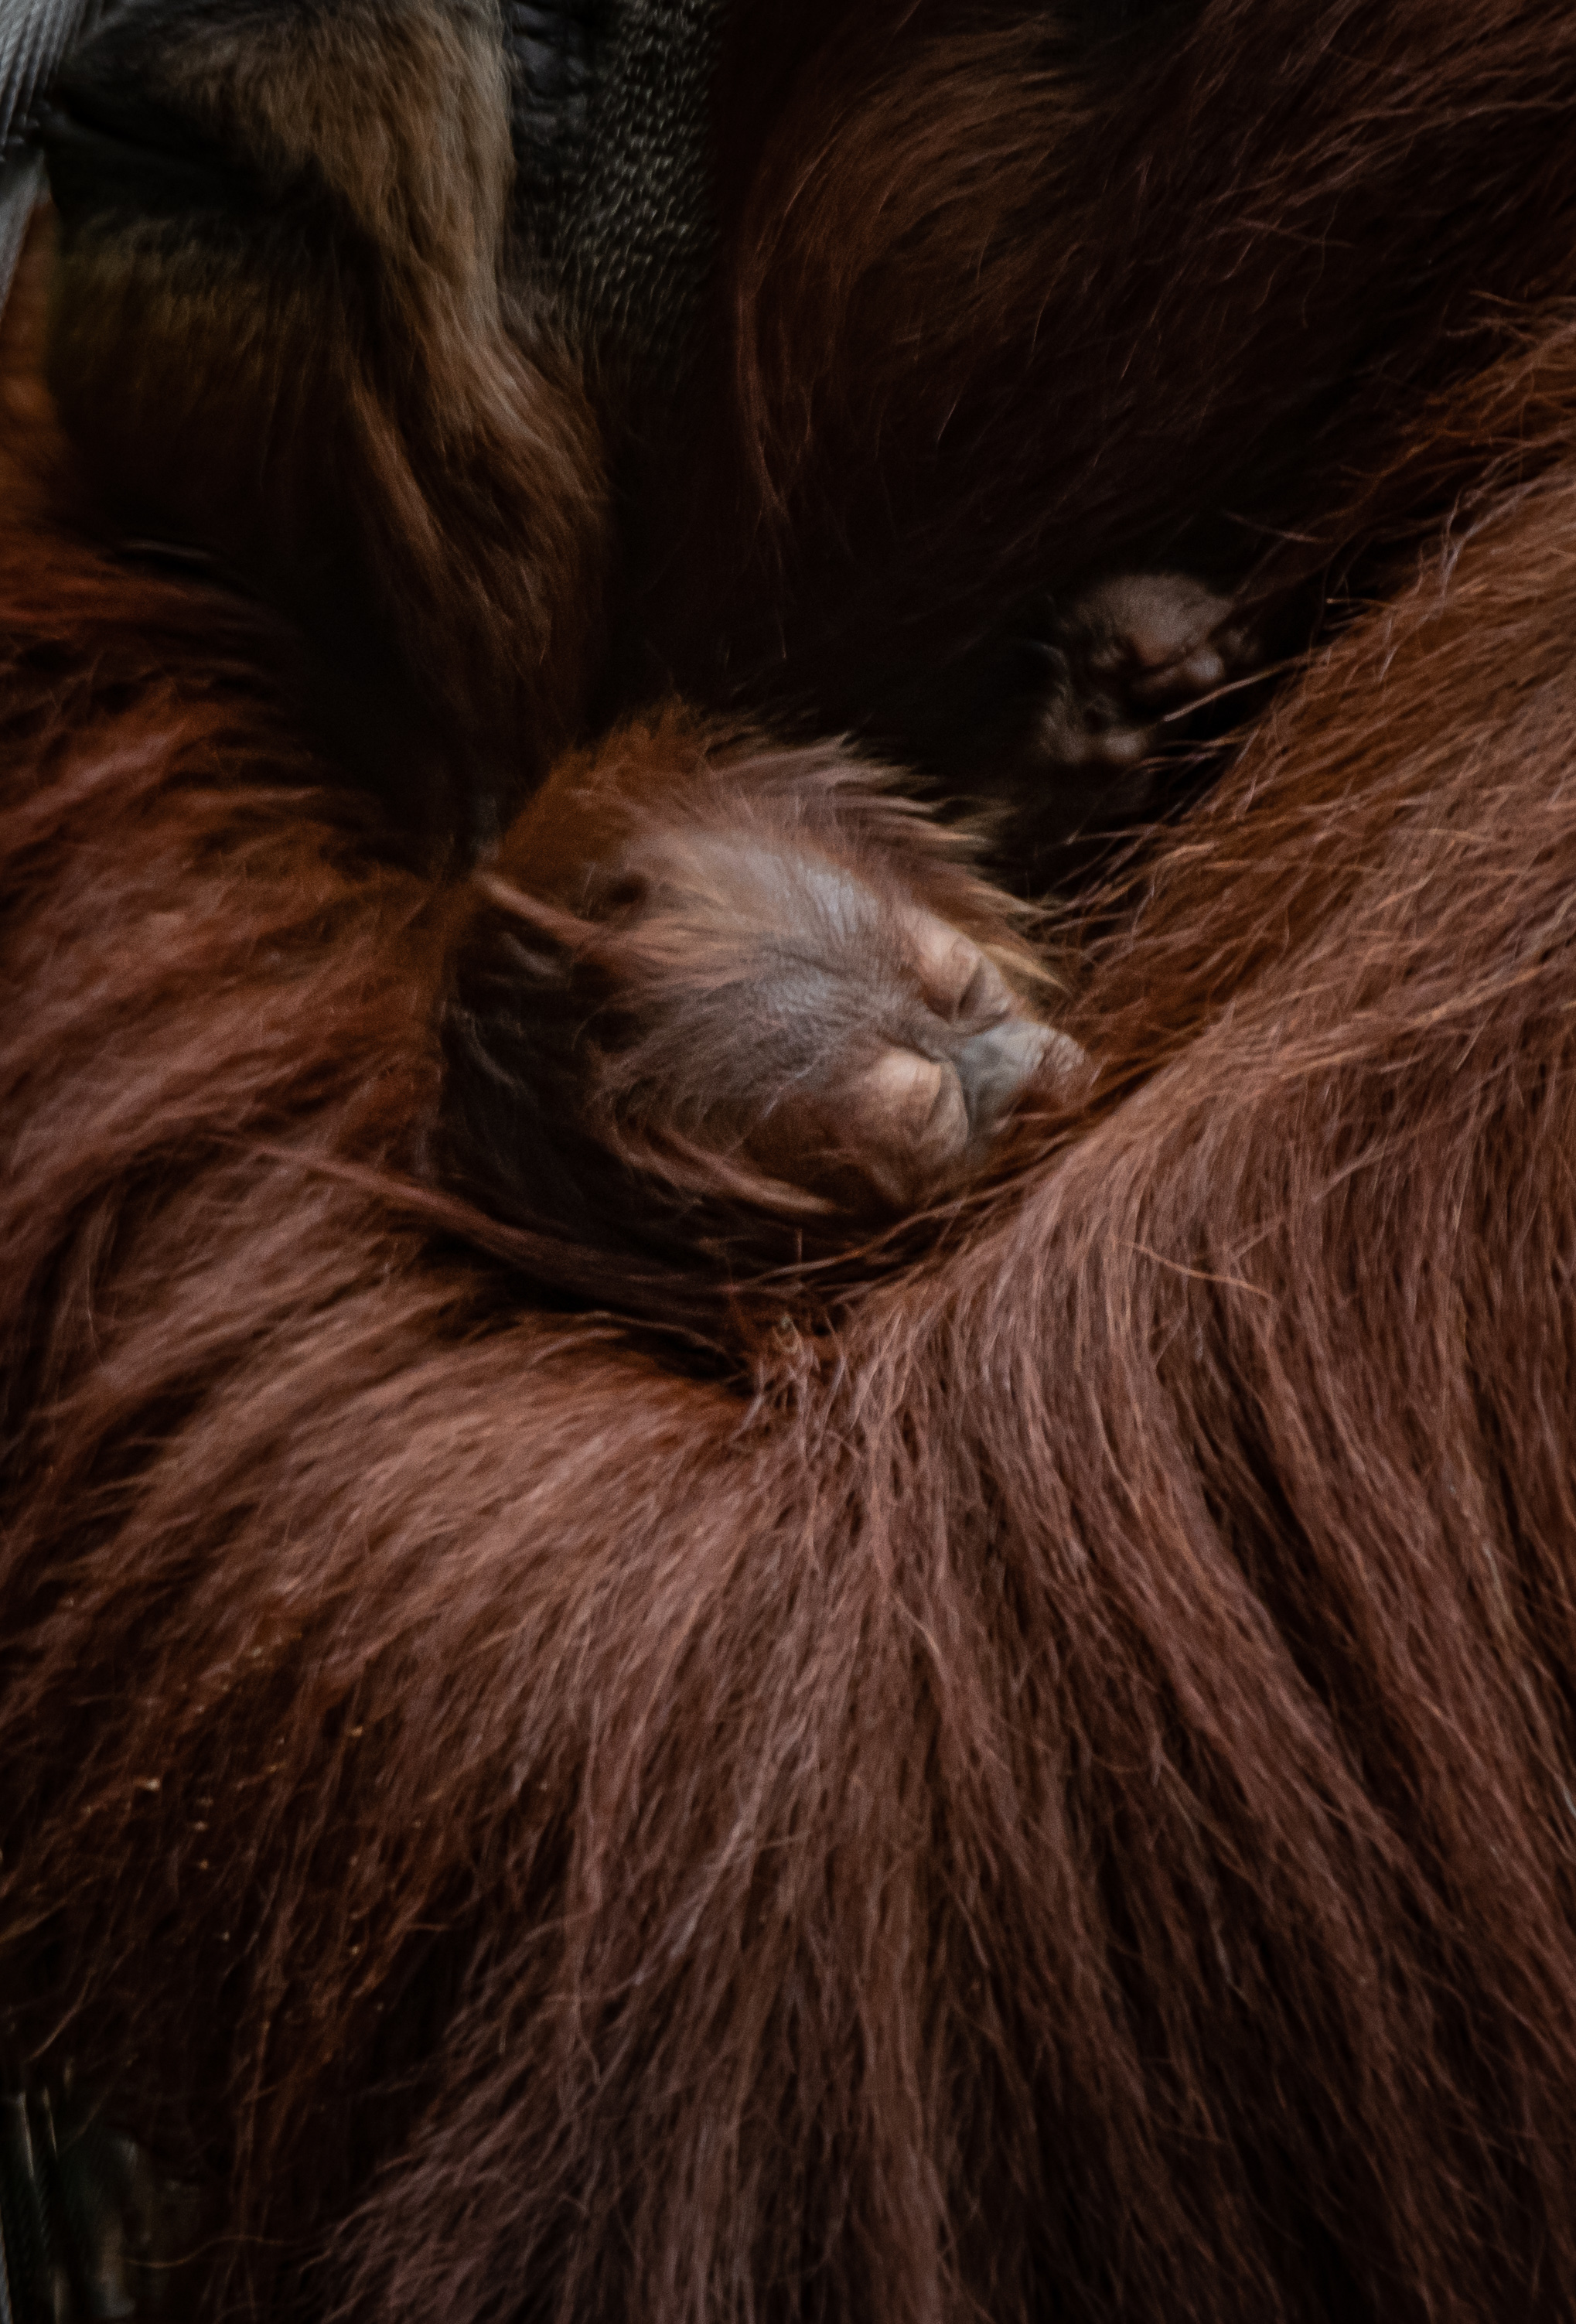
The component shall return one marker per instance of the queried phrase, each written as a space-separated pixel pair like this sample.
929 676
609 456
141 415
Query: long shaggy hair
994 326
1037 1782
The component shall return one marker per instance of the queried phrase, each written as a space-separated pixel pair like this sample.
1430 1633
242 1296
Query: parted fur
1041 1784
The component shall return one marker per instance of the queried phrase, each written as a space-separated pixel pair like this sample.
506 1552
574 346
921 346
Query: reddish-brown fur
1039 1785
361 416
997 323
703 999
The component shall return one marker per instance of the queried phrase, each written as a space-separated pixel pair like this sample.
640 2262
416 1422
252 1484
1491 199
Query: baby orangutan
747 972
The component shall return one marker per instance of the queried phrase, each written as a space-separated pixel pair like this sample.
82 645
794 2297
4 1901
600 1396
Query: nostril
995 1065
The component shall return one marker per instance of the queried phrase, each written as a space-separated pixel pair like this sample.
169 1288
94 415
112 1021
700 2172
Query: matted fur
1044 1789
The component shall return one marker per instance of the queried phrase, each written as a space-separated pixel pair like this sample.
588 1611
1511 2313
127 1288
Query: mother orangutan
611 1709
